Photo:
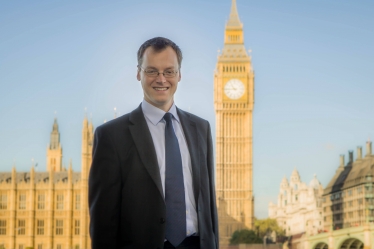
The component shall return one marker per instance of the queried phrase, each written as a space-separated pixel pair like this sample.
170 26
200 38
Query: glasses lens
151 73
169 73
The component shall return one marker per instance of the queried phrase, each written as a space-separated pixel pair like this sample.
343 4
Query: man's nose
161 78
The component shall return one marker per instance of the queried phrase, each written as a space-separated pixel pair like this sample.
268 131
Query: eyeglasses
168 73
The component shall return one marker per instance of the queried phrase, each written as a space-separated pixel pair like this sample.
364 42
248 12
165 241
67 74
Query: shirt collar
155 115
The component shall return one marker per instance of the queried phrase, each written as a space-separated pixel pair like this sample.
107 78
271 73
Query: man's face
159 91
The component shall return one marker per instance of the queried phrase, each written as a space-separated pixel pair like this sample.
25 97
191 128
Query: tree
245 236
265 226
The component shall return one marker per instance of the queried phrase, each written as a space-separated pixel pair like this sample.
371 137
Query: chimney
359 152
342 161
368 148
350 156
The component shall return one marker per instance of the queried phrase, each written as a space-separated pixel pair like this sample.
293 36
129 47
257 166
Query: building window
41 201
285 202
359 201
350 214
360 213
296 198
59 227
359 190
40 227
21 227
60 202
350 192
22 201
350 203
20 246
77 201
76 247
76 227
3 202
2 227
40 246
59 246
295 186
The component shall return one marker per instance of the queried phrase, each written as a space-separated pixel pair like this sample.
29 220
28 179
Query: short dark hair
158 44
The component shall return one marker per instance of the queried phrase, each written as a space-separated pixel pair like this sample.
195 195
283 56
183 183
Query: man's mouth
161 88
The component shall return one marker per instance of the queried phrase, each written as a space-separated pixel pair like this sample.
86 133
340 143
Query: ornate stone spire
234 21
55 136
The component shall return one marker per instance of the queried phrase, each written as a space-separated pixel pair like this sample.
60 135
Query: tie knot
167 117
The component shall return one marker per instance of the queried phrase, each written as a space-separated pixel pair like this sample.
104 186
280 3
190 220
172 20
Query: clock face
234 89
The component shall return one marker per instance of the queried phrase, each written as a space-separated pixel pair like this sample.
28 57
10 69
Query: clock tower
233 101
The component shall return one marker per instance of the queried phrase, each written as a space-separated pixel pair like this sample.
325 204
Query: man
151 183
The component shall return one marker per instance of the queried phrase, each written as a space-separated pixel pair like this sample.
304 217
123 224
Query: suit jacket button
162 220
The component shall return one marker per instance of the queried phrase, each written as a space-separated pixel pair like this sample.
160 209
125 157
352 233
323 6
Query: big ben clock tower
233 101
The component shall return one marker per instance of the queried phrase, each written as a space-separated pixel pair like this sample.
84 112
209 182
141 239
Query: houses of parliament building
45 210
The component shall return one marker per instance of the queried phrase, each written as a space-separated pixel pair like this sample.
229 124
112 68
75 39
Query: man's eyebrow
168 68
151 68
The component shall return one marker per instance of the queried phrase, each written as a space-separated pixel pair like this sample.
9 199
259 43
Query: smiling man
151 183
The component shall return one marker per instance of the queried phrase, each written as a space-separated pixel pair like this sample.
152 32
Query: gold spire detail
234 21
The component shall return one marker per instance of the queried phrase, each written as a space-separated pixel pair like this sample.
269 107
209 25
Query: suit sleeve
213 207
104 192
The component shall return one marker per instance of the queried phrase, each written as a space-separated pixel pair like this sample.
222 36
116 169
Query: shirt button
162 220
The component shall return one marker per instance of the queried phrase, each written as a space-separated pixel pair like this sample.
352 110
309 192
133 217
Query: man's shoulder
122 122
193 117
115 124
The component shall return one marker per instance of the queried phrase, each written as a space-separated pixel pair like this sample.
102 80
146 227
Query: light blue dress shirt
156 124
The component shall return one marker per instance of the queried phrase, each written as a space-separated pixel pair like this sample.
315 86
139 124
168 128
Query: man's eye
169 72
152 72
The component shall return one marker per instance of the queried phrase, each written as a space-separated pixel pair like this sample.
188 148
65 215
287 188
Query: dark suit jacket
126 200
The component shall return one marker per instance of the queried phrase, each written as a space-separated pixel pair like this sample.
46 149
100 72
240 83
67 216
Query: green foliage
245 236
268 225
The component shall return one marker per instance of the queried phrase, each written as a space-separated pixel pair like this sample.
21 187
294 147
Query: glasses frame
158 73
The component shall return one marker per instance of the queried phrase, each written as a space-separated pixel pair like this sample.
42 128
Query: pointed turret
234 21
54 150
32 175
55 136
234 49
70 172
284 183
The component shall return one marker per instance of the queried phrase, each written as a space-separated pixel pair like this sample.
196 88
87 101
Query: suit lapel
144 144
190 132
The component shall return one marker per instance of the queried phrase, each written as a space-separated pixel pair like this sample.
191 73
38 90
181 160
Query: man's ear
138 75
180 75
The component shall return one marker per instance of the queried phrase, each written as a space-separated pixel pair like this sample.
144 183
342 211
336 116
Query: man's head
159 62
158 44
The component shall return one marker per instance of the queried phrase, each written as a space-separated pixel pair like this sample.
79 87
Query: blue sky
313 63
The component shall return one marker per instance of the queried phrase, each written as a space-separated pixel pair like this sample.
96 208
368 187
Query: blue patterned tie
174 187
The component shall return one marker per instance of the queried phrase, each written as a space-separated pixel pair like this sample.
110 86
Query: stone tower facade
47 210
233 101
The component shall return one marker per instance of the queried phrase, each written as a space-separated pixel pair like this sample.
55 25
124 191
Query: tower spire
54 150
234 21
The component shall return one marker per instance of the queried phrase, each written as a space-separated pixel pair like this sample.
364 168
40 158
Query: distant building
47 210
299 207
348 200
